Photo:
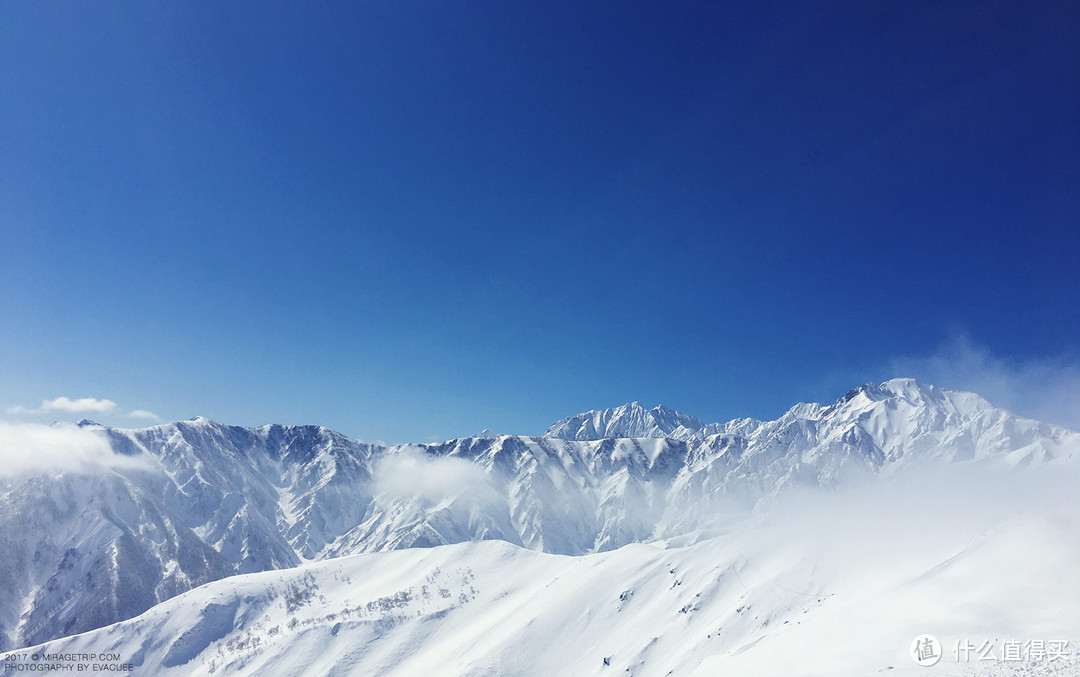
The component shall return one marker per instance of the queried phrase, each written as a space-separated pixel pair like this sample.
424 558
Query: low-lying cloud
958 522
411 474
29 448
925 505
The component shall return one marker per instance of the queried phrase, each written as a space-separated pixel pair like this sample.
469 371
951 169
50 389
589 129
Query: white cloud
66 404
412 474
36 448
1045 389
80 405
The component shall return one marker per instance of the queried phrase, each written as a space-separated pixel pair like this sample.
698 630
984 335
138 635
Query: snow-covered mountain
759 600
630 420
85 549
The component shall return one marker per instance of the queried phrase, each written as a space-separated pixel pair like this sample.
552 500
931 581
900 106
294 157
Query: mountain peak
908 387
871 390
629 420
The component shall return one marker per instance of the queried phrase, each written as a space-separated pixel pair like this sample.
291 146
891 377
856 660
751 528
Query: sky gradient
408 221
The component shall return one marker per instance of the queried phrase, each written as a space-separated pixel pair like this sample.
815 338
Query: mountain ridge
214 500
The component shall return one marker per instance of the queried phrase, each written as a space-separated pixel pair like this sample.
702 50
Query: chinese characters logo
926 650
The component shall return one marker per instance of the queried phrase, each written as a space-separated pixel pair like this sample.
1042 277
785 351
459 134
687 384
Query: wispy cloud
1046 389
143 414
34 448
81 405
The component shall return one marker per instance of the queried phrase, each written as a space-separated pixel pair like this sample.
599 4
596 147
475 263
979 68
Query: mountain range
90 547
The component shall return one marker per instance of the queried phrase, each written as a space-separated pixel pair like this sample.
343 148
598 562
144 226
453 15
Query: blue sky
412 220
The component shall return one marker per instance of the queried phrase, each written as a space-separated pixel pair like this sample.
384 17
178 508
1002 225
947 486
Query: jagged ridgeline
89 547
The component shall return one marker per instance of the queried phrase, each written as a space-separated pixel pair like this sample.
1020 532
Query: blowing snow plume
1044 389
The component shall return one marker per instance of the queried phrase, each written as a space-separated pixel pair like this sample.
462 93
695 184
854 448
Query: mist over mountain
198 501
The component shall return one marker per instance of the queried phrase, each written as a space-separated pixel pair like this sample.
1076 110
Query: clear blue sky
413 220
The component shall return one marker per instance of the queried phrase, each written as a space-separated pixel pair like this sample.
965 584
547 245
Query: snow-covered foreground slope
197 501
836 584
